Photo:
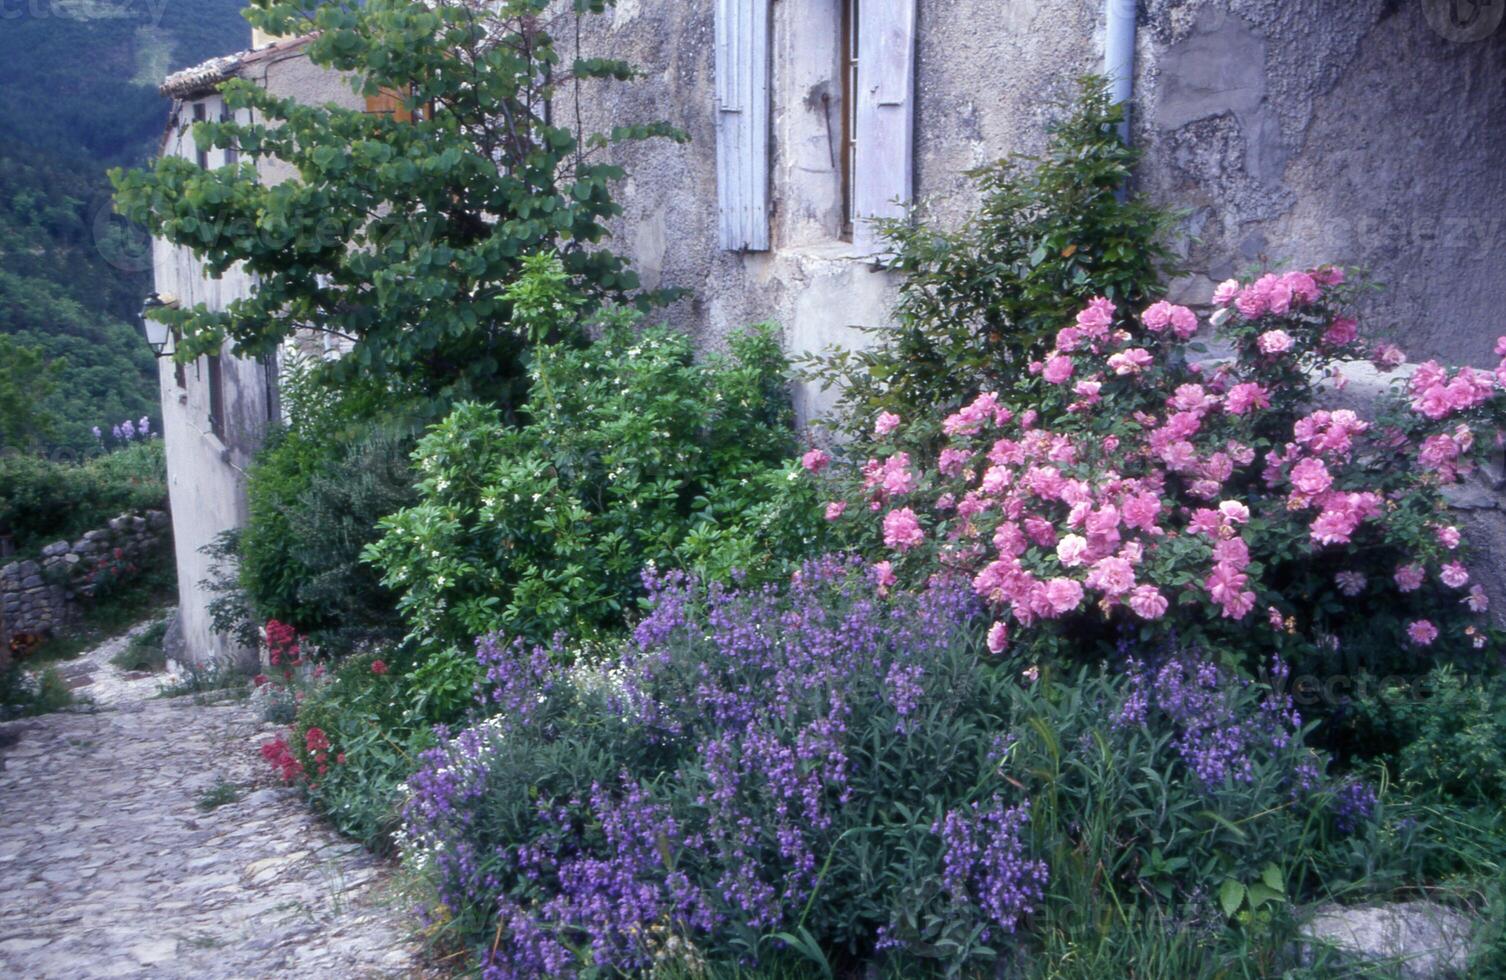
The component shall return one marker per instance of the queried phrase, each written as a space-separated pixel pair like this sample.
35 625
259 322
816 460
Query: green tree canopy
26 377
401 230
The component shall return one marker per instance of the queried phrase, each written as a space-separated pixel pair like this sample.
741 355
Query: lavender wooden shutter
886 115
742 124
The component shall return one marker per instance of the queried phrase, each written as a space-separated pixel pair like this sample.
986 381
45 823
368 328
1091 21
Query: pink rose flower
883 575
1422 633
1157 316
1227 588
1454 575
1095 321
815 461
1387 357
1071 550
835 509
1063 595
1245 396
1132 361
1140 511
1234 511
1113 576
902 529
953 460
1409 578
1226 292
1341 332
1448 536
1147 602
1311 477
1477 600
1274 342
886 423
1058 369
1350 583
998 638
1183 322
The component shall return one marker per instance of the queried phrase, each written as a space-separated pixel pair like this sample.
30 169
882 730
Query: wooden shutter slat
884 165
742 124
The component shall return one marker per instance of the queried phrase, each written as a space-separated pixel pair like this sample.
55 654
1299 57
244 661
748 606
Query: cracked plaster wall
1291 130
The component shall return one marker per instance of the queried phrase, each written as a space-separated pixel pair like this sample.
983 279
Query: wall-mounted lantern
158 334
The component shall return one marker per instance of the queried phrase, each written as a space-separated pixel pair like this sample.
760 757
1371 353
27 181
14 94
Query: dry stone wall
39 595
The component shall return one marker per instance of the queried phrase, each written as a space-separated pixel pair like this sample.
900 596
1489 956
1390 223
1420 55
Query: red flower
379 667
282 759
316 740
260 679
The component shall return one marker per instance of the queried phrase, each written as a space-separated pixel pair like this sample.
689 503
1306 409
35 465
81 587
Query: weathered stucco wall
1306 131
1293 131
206 470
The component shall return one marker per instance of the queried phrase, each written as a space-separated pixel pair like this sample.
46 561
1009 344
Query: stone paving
110 866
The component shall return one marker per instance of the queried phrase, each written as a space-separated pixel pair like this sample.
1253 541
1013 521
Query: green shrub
144 651
42 501
316 493
24 693
976 304
375 723
1443 738
630 453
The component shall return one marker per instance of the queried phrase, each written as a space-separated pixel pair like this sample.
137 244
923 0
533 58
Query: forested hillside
80 78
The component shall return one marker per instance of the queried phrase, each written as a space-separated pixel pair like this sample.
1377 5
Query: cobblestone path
110 866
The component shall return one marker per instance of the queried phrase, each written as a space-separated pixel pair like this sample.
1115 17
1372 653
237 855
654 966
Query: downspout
1119 57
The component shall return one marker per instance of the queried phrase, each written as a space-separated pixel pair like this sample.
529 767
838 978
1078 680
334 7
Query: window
849 69
216 397
838 169
232 152
202 152
390 102
180 375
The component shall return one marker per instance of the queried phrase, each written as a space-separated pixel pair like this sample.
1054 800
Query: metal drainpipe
1119 56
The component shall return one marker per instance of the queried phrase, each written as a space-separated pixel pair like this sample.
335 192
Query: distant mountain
80 76
79 83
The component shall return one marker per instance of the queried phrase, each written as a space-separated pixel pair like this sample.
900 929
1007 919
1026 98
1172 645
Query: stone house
1294 131
216 410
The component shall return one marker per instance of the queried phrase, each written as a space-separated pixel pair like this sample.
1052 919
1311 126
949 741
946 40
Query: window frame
200 114
848 67
216 396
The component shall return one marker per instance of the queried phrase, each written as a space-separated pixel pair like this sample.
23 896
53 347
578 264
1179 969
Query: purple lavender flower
1353 805
984 861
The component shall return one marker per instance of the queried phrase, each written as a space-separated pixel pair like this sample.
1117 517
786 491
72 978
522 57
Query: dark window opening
232 152
849 111
269 378
201 152
216 397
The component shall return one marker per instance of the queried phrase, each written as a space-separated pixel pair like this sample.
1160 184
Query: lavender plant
831 771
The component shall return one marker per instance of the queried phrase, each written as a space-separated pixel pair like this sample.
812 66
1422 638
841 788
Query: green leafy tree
976 303
26 378
402 229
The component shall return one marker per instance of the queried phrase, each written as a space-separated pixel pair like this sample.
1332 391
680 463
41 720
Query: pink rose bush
1122 485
